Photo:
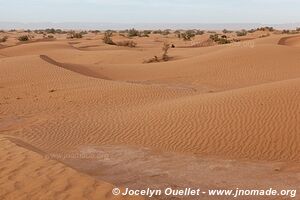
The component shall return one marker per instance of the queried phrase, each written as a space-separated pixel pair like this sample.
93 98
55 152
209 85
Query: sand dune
290 41
235 102
29 175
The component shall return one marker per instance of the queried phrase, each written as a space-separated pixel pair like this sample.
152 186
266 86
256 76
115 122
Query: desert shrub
241 33
286 31
226 31
50 36
107 38
126 43
266 28
95 31
147 32
3 39
123 31
199 32
145 35
83 32
220 40
166 32
214 37
251 31
157 32
111 31
133 33
76 35
224 41
165 57
177 32
187 35
50 31
152 60
165 49
212 32
297 29
24 38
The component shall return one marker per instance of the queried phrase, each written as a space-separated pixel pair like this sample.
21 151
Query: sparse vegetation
241 33
147 32
187 35
199 32
266 28
24 38
290 32
165 57
95 31
157 32
226 31
251 31
286 31
166 32
133 33
3 39
220 40
165 48
74 35
107 38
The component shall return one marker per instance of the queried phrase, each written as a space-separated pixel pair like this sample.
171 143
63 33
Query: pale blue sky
151 11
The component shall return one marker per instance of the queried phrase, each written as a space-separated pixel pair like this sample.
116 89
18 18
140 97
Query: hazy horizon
145 11
142 26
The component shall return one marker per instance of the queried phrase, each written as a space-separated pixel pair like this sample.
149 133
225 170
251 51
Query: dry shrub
107 38
165 48
3 39
24 38
152 60
165 56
